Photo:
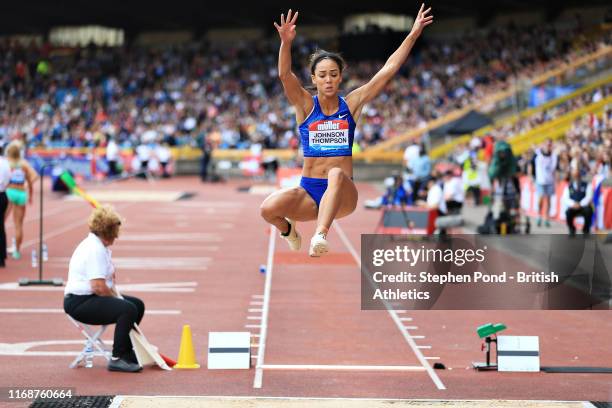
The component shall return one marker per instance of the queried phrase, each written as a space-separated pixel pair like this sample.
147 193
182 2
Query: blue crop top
328 135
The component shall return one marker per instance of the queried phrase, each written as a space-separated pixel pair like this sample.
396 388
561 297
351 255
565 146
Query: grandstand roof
37 16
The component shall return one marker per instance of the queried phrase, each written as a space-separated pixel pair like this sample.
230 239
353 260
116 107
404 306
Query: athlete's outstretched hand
286 29
422 20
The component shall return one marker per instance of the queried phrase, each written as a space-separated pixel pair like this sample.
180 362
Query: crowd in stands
583 154
232 96
587 145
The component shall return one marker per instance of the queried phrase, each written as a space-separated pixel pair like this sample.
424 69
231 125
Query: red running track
204 254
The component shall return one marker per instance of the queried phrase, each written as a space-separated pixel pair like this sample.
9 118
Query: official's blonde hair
105 222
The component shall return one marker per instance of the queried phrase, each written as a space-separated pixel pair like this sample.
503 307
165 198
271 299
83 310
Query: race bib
326 135
17 177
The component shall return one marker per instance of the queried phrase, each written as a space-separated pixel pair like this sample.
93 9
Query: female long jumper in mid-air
327 126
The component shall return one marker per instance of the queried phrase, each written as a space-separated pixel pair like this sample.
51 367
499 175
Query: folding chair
94 346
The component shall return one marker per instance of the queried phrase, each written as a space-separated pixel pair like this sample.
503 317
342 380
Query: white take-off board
229 350
518 353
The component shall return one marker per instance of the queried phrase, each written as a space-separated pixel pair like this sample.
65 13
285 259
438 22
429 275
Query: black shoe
130 357
123 365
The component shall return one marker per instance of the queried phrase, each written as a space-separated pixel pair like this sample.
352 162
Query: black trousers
476 193
454 207
204 166
586 212
3 207
113 170
94 309
144 169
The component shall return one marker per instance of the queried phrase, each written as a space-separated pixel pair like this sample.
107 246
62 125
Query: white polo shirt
90 260
5 173
435 198
453 190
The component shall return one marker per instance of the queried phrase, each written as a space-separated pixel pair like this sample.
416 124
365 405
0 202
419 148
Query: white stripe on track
394 316
341 367
258 380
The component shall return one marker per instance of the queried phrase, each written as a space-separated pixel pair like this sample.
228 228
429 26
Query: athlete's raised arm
297 95
369 91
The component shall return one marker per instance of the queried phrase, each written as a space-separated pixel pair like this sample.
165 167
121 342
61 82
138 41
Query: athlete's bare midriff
318 167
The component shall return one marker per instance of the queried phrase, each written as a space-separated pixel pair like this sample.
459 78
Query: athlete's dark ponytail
319 55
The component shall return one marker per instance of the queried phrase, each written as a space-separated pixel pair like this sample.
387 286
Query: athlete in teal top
22 176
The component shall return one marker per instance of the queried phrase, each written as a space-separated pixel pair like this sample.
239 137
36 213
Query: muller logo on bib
328 135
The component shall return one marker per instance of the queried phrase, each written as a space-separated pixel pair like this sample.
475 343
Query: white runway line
150 263
255 310
405 319
424 347
432 358
341 367
412 327
257 296
394 315
258 380
256 303
253 326
253 317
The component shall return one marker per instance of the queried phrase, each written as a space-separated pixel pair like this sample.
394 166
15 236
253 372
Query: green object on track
489 329
68 180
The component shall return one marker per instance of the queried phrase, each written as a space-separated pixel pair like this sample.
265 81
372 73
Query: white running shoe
318 245
12 248
294 239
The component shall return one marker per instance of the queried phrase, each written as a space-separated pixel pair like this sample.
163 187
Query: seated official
577 198
90 294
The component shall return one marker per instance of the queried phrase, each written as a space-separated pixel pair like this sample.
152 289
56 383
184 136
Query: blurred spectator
545 169
578 199
143 154
453 192
471 180
421 171
435 196
112 157
503 164
162 152
206 147
411 154
395 194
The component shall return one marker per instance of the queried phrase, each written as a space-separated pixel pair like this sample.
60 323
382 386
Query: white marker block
518 353
229 350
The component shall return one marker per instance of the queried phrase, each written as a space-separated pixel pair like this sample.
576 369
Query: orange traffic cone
186 357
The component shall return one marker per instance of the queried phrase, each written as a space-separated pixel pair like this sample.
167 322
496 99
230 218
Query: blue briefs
315 187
